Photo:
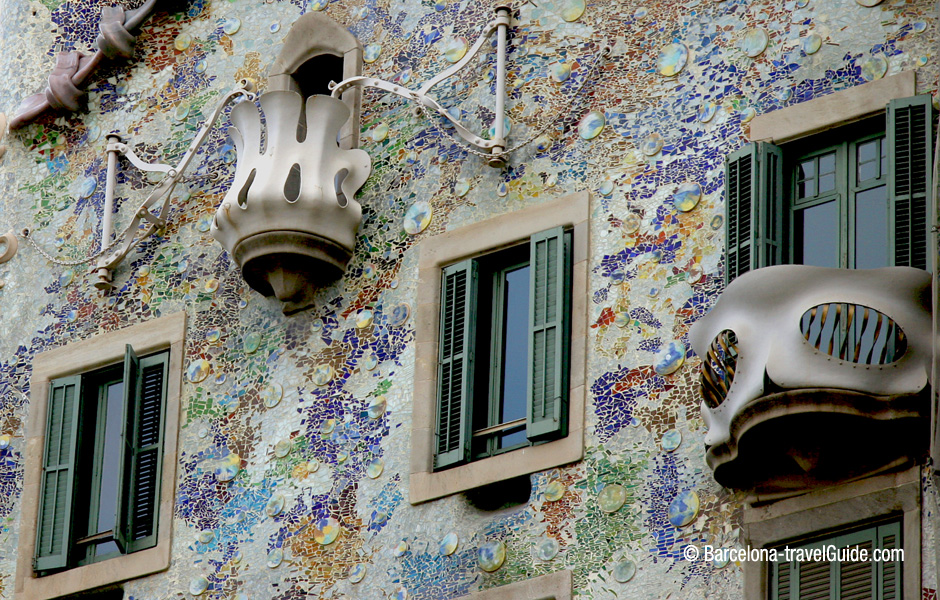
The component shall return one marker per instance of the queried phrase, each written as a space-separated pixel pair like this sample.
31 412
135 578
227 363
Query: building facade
354 351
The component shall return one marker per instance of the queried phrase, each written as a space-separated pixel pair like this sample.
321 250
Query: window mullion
496 358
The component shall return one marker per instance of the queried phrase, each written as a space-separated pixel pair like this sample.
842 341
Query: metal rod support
107 226
499 138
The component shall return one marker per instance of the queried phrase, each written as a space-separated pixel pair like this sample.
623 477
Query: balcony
814 376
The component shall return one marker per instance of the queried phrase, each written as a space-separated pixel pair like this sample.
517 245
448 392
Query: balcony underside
791 441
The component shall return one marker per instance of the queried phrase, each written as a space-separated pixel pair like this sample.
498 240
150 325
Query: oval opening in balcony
853 333
718 368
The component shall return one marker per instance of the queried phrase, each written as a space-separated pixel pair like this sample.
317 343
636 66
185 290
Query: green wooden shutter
455 364
131 390
146 454
754 212
910 162
780 575
53 536
856 579
815 580
889 572
549 315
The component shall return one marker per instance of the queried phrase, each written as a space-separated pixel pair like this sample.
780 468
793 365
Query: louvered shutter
815 580
549 315
857 578
910 159
455 364
754 209
145 455
889 572
780 581
53 536
131 388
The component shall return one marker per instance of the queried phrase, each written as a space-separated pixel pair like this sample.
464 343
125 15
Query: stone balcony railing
813 376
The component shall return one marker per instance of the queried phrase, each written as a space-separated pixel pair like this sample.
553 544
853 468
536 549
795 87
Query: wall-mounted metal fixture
495 149
145 221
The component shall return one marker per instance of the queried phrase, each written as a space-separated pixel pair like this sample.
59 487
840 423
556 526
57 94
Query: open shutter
146 454
889 572
455 364
547 373
53 537
910 162
131 390
754 209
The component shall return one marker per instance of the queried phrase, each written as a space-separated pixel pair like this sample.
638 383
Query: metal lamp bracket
145 221
495 148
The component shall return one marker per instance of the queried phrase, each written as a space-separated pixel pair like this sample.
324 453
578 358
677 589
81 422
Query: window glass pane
806 185
818 230
869 161
871 228
827 172
110 461
515 351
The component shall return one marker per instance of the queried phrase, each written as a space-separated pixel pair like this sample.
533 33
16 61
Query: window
553 586
97 511
485 411
846 576
503 349
102 459
856 197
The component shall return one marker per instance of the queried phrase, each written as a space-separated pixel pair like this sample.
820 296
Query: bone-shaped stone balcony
814 376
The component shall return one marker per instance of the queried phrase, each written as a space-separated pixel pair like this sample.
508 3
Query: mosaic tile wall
293 472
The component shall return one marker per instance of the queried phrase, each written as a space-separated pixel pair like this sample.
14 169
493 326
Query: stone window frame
554 586
164 333
468 242
312 35
840 508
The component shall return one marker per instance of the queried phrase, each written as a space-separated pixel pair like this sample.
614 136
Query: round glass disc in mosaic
418 217
4 442
591 125
721 563
869 3
502 189
271 395
375 468
327 426
611 498
371 53
88 187
326 531
448 544
455 49
322 374
370 361
282 448
706 112
874 68
252 342
399 549
313 465
275 505
631 223
380 132
812 43
554 491
231 26
694 274
206 536
198 585
399 594
211 285
377 407
606 188
364 319
624 571
198 370
547 549
357 573
182 41
754 42
399 315
275 557
572 10
561 71
228 468
491 555
669 358
652 144
672 59
671 440
684 509
461 188
687 196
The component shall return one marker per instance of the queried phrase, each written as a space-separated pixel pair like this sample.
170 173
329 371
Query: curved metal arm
163 190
